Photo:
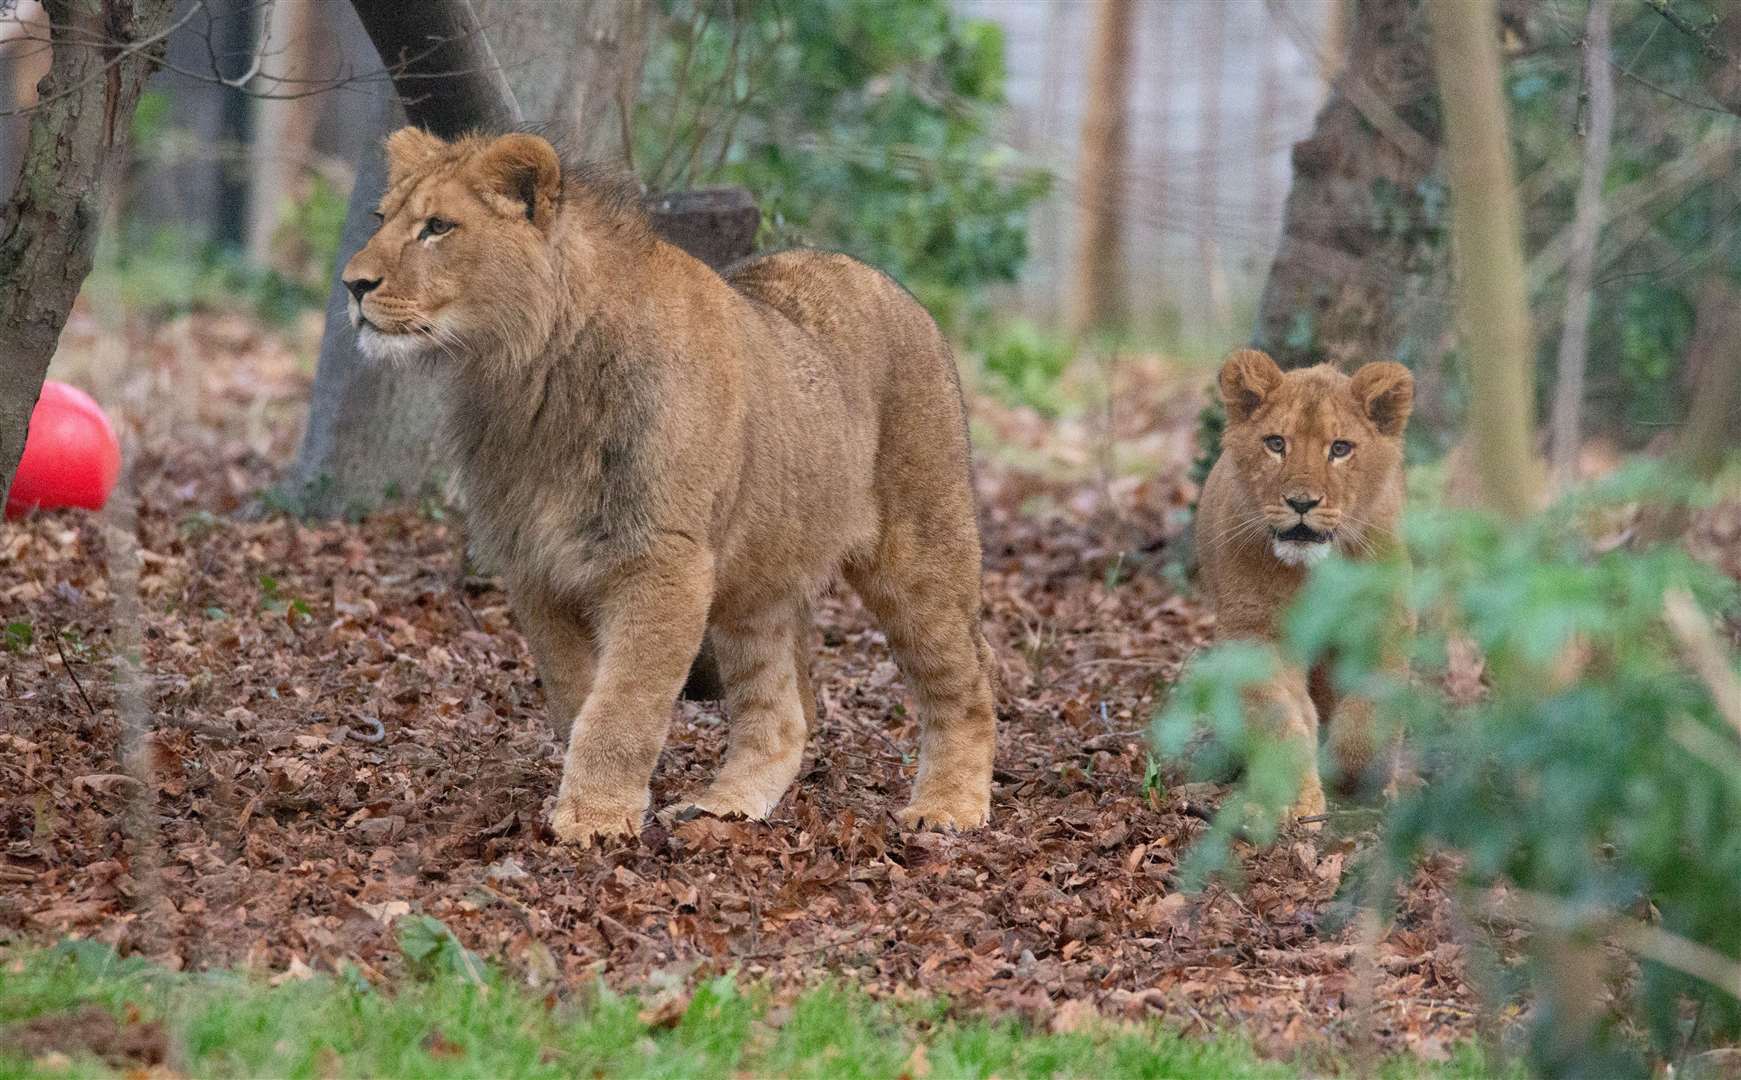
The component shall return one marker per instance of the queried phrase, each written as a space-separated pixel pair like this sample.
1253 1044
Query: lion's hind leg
765 670
925 595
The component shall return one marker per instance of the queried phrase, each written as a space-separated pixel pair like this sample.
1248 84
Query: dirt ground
341 727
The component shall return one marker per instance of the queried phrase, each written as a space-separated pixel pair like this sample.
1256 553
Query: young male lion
1310 460
650 452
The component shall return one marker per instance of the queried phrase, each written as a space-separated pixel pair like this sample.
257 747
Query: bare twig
89 708
1692 630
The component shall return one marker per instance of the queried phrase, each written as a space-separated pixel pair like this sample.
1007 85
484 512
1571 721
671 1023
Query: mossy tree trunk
101 56
1360 219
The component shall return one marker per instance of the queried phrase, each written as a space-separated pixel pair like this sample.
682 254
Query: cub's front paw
575 822
945 814
1309 805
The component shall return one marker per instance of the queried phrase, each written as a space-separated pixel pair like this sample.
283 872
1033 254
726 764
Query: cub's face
1317 451
461 260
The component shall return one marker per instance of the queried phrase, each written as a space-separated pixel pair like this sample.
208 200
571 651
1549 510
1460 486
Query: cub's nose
1302 505
361 287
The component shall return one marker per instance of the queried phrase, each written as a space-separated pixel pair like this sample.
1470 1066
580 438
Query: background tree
48 230
1598 103
1361 218
1097 296
1488 252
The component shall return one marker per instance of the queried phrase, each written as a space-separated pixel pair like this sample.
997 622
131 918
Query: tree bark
1487 252
282 148
48 230
1097 301
1713 426
1586 230
583 68
368 436
1358 224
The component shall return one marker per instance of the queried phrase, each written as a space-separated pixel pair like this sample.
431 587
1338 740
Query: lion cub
651 452
1311 460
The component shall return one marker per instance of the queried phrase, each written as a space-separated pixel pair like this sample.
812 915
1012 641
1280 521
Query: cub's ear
410 147
1247 377
1386 393
525 171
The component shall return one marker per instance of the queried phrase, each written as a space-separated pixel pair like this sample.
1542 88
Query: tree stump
716 225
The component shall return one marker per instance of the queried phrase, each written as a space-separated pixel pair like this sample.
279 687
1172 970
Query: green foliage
1597 773
1024 363
448 1023
18 636
860 125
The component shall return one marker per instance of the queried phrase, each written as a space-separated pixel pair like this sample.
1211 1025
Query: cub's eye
380 218
1341 448
435 227
1276 444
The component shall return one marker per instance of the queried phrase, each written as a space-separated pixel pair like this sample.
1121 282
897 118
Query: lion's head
462 263
1319 453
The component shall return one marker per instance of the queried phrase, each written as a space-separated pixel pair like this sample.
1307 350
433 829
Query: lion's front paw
1309 806
944 814
577 822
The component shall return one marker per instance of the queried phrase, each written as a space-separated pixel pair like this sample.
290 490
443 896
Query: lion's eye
1276 444
380 218
435 227
1341 448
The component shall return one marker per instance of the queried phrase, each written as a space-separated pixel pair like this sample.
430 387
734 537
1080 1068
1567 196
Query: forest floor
343 729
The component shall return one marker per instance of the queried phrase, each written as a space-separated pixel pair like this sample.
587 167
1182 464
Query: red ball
70 458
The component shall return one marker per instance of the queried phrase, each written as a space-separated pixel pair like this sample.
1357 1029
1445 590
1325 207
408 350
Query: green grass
445 1023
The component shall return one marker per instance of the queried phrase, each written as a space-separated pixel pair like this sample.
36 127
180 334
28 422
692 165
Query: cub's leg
1283 707
922 585
565 650
1362 754
766 674
649 623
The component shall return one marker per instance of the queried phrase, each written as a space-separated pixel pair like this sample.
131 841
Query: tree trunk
1713 426
368 428
1357 224
1213 44
48 231
582 68
1097 301
1586 230
282 149
1487 252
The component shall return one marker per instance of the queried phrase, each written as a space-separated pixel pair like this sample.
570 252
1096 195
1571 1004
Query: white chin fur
1300 552
393 348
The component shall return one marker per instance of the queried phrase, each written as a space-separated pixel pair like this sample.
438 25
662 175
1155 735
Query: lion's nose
1302 505
361 287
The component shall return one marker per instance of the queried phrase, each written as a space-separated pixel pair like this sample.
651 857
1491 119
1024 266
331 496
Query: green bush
1023 363
1595 776
864 126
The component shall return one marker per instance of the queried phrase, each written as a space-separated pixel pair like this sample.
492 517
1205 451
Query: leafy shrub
860 125
1024 363
1596 776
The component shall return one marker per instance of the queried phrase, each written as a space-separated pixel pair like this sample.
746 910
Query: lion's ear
1386 393
525 170
1247 377
409 147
